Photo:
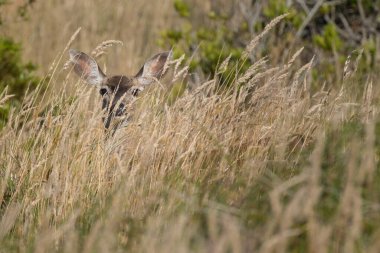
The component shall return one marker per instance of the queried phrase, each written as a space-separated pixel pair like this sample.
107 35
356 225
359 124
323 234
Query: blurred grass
269 164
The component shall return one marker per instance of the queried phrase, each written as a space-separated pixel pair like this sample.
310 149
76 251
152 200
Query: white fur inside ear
95 78
145 80
86 67
154 68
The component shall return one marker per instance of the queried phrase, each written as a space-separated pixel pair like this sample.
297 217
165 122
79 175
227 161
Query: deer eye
135 91
103 91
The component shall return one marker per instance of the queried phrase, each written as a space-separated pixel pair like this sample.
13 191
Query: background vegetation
263 138
15 75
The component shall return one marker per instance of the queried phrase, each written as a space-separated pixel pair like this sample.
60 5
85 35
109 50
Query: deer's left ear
153 68
86 67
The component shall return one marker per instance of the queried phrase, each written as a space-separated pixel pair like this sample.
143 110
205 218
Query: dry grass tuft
101 48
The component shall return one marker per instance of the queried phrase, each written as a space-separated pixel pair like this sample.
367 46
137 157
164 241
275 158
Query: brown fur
117 91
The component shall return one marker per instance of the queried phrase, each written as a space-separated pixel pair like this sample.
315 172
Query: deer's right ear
153 68
86 67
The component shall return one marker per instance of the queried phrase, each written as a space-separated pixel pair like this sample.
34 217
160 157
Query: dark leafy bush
13 72
330 30
212 42
15 75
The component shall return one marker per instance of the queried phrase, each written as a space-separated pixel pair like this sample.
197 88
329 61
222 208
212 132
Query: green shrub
15 75
213 42
13 72
334 30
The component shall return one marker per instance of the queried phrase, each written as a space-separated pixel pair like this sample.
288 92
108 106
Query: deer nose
120 110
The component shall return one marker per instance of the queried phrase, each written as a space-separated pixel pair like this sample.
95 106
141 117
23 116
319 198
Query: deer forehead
118 87
119 82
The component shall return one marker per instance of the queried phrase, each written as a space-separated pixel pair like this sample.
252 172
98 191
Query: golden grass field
264 166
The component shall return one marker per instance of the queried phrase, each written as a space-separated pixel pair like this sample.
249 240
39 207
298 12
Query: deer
118 90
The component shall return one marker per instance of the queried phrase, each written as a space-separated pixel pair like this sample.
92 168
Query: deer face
117 91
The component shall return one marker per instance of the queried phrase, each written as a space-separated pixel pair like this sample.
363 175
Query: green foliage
275 8
14 74
182 8
334 166
213 42
334 31
329 39
214 38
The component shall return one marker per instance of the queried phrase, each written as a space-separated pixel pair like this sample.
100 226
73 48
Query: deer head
117 91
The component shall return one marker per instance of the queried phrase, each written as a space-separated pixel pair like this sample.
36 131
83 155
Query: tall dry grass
50 24
264 166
